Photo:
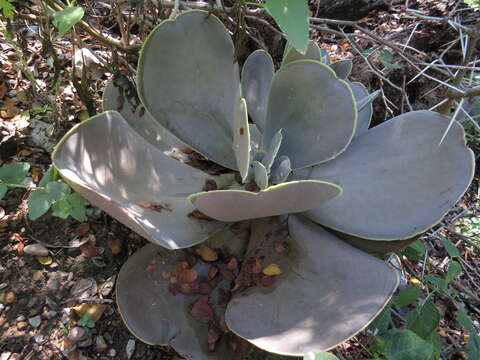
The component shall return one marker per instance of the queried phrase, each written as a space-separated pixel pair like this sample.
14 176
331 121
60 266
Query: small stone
130 349
38 338
22 325
21 318
86 343
100 344
35 250
35 321
49 314
76 334
112 352
5 355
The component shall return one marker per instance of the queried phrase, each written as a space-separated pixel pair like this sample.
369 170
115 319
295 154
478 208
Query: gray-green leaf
38 204
386 58
61 209
292 17
454 270
451 249
65 19
14 173
77 203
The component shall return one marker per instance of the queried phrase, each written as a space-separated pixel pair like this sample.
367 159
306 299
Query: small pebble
76 334
35 321
21 318
38 338
49 314
100 344
112 352
12 93
36 250
130 349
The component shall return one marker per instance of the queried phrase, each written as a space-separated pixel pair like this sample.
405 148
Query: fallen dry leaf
154 206
227 274
232 264
188 276
206 253
44 260
83 229
253 266
94 310
212 272
115 245
202 311
272 270
213 335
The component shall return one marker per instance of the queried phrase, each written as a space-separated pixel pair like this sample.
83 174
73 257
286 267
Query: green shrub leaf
292 17
65 19
406 345
319 355
38 204
57 190
407 296
424 319
450 247
382 321
14 173
415 252
7 8
49 176
386 58
77 203
61 209
454 270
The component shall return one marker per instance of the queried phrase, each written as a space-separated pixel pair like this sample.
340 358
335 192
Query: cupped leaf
116 169
342 68
119 99
396 177
65 19
316 111
365 115
328 292
241 139
292 18
156 316
188 81
291 54
285 198
257 75
260 175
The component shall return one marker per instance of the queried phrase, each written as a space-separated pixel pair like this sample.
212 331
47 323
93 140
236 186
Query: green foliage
319 355
415 252
407 296
65 19
473 345
474 4
85 321
451 249
386 58
292 17
405 345
7 8
424 319
57 196
12 175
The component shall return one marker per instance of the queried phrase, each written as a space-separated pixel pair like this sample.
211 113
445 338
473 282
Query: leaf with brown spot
202 311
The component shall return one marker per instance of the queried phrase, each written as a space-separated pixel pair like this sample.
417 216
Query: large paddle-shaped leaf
328 292
397 180
315 109
156 316
118 99
116 169
285 198
188 80
257 75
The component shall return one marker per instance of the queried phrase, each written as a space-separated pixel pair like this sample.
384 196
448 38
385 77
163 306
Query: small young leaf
424 319
437 282
260 174
65 19
292 18
407 296
3 190
38 204
49 176
386 58
272 151
14 173
319 355
406 345
454 270
451 249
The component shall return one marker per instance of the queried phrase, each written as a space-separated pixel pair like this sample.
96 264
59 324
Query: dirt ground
38 301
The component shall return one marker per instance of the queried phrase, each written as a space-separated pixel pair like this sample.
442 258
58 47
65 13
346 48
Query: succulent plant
315 180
